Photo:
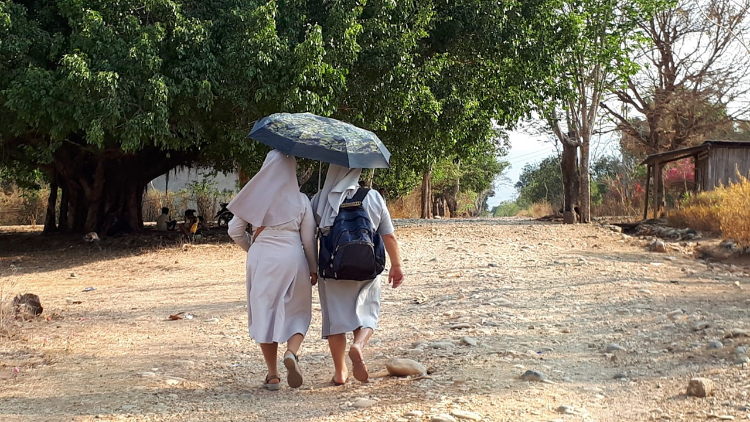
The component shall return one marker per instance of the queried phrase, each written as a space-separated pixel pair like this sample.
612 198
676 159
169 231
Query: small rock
700 387
148 374
736 333
363 403
414 414
441 345
620 377
645 292
675 314
566 410
701 326
614 347
740 350
658 246
172 381
405 367
443 418
533 376
463 414
462 326
715 344
469 341
128 407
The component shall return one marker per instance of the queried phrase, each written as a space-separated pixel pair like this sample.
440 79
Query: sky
524 149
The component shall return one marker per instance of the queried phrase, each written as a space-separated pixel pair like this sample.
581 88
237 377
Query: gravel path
600 329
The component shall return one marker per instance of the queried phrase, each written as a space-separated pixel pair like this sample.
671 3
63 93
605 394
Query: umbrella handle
320 173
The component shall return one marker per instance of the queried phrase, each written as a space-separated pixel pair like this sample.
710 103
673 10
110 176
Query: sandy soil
534 296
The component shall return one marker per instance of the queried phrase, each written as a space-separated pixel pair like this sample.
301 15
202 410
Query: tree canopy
103 96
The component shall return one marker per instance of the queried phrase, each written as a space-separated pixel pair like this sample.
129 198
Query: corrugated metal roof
678 154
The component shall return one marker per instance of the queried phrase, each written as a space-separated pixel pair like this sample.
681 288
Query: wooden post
648 192
658 188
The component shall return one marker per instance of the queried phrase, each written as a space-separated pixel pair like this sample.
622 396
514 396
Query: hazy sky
524 149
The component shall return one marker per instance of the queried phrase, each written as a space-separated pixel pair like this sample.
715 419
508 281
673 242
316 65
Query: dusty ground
535 296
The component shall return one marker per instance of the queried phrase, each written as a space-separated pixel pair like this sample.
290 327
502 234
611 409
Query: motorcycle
223 216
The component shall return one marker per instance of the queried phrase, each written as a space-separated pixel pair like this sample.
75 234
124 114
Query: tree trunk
242 177
427 194
64 200
571 181
50 221
585 197
103 192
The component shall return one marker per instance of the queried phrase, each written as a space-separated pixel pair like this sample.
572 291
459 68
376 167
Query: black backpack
352 250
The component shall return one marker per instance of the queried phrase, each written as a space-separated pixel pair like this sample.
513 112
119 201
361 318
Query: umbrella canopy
321 138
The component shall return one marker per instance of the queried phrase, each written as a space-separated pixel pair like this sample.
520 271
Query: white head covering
272 196
340 184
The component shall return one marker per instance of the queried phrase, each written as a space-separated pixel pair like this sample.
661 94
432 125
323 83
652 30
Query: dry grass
409 206
725 210
537 210
8 289
23 207
735 212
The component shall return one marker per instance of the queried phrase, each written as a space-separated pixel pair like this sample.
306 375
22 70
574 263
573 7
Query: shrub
506 209
725 210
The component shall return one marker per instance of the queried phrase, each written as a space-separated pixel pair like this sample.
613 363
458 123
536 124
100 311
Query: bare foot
358 364
338 380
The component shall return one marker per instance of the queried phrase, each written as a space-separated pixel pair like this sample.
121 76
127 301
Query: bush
21 207
506 209
536 210
735 212
725 210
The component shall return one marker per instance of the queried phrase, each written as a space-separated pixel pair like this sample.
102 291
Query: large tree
103 96
607 34
694 78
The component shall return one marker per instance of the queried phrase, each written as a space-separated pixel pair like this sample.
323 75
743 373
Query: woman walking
281 262
348 305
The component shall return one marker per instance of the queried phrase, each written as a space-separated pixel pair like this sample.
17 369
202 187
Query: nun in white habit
281 261
348 305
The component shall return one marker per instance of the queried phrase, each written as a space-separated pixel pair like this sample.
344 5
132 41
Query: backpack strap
356 201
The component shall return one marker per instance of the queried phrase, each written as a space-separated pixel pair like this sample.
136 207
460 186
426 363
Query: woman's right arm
237 231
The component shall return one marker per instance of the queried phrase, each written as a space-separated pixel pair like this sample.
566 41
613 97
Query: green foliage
540 182
506 209
178 81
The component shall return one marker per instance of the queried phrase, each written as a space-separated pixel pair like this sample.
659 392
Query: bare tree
694 76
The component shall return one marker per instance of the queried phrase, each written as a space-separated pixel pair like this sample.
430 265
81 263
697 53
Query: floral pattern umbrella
321 138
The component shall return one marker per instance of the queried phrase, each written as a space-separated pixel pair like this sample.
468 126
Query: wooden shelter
716 163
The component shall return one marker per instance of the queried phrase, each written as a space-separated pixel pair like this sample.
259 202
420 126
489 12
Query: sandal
358 365
336 383
294 375
272 386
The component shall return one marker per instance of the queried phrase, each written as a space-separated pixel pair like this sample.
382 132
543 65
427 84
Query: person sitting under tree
163 222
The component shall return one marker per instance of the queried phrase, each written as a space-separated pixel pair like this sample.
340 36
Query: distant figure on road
281 261
350 305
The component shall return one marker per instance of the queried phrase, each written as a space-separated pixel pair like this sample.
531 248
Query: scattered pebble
469 341
700 387
463 414
443 418
614 347
533 376
715 344
404 367
362 403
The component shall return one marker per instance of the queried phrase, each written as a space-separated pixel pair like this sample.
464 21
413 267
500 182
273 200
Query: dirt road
484 302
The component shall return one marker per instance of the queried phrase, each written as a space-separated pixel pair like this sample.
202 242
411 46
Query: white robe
279 263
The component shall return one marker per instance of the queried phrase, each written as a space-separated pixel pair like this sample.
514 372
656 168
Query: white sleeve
307 236
237 231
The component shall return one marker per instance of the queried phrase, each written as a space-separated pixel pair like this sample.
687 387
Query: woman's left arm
307 236
237 231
